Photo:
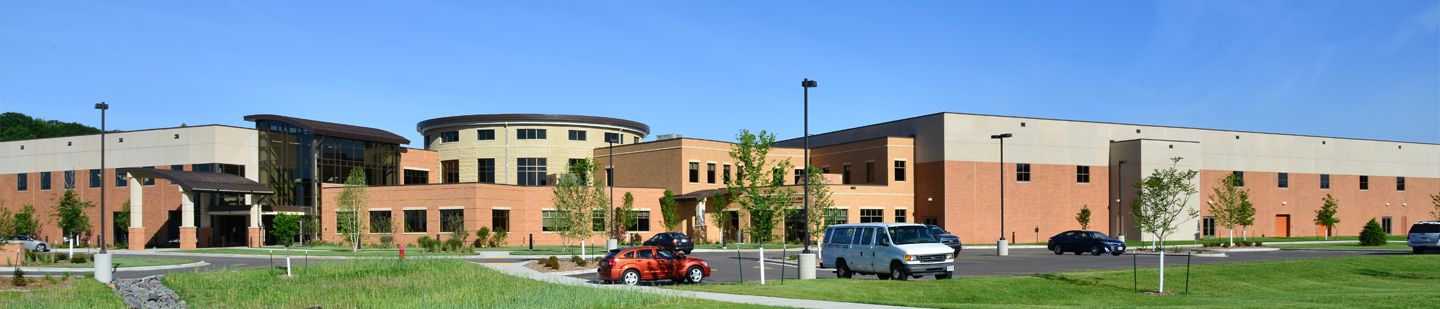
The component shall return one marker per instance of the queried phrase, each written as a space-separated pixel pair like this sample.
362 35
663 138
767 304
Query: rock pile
148 293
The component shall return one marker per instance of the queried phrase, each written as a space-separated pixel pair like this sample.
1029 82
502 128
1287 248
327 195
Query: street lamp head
807 83
1000 136
102 106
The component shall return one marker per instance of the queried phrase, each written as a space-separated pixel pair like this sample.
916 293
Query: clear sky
1364 69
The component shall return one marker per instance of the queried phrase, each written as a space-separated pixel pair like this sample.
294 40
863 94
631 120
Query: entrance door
733 227
1282 225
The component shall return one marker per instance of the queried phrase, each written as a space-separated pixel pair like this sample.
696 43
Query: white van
887 250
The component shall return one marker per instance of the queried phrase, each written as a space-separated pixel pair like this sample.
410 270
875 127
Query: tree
1435 199
122 220
670 210
1325 216
719 217
1083 217
17 126
350 214
25 222
1245 217
759 186
1373 234
285 227
1228 203
577 196
7 221
820 203
626 213
1161 209
70 214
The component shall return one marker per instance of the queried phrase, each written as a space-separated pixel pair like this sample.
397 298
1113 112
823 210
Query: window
344 221
1324 181
1082 174
44 180
98 177
529 133
485 135
872 215
869 171
486 167
867 236
845 174
636 139
710 173
500 219
380 222
613 138
148 182
1207 227
900 216
1364 182
577 135
428 139
69 179
552 220
842 235
1400 183
1385 224
570 164
1022 172
531 171
609 176
177 167
120 179
417 177
450 171
641 222
1283 180
452 220
22 182
825 169
1239 178
799 176
694 172
899 170
415 221
726 173
449 136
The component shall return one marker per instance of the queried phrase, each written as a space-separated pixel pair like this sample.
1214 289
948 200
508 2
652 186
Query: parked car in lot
673 241
946 238
1424 235
30 243
630 266
888 250
1085 241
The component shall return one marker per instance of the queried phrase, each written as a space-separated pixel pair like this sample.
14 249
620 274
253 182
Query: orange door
1282 225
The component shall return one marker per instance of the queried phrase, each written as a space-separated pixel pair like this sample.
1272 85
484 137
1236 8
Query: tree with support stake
759 187
285 227
351 214
1160 209
1229 203
1083 218
1325 216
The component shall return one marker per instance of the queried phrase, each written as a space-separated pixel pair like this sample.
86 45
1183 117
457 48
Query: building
520 149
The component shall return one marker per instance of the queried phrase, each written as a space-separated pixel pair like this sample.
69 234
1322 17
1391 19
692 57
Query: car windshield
904 235
937 230
1425 228
1098 235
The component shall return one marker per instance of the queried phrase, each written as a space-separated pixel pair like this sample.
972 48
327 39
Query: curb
92 269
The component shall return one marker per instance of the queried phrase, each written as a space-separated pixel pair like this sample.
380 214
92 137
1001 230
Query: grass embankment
78 292
393 284
1367 282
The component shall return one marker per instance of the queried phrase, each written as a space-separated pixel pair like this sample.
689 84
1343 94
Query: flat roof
335 129
492 118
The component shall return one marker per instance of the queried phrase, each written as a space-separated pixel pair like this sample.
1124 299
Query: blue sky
707 69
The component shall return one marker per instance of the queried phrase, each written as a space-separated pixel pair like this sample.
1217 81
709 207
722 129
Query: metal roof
335 129
485 118
202 181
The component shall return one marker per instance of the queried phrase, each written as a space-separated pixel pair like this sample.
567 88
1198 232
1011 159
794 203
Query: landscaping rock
148 293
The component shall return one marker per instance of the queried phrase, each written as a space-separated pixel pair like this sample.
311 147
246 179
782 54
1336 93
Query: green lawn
391 284
130 261
78 292
1391 245
1367 282
301 251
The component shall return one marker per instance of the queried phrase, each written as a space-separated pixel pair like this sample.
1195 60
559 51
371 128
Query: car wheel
42 248
944 276
898 272
694 275
1059 251
630 277
842 270
1095 250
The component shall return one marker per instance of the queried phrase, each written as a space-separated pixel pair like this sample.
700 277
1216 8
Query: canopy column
136 234
187 220
255 241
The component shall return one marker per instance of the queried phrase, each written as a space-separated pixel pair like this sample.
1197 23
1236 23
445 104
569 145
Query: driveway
232 262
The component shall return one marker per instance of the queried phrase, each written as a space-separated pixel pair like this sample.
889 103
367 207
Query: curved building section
520 149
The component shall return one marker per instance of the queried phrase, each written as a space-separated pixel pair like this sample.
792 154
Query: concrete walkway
519 270
92 269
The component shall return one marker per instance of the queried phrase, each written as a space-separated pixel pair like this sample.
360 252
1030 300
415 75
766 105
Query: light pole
1119 196
613 242
102 260
807 258
1002 247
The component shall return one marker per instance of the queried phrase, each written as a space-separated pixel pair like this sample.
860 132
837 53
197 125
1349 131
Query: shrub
80 258
1372 235
50 279
387 241
1259 244
498 239
454 244
578 261
18 278
482 237
552 262
426 243
65 277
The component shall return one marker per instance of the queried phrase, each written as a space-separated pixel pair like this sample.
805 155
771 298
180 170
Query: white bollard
807 266
287 266
762 264
1002 247
104 269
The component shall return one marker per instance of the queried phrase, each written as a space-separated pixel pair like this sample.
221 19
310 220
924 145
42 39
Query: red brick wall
1304 196
159 200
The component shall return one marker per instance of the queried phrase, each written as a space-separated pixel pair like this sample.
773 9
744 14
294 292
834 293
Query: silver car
1424 235
30 243
889 250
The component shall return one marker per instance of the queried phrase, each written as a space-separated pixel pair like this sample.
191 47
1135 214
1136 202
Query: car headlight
909 257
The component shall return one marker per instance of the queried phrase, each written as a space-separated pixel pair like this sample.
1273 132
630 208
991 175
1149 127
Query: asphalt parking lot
985 262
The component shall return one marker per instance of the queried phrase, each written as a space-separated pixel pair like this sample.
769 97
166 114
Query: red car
632 265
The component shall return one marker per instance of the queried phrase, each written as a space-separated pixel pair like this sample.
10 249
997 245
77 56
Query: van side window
867 236
843 236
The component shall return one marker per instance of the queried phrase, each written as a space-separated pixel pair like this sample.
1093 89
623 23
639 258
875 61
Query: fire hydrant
402 251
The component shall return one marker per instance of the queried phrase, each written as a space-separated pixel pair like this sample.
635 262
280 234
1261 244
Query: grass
320 251
1365 281
130 261
392 284
78 292
1392 245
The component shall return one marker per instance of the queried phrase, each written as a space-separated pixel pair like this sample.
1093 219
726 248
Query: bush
552 262
454 244
387 241
1373 234
80 258
18 278
426 243
498 239
50 279
482 237
578 261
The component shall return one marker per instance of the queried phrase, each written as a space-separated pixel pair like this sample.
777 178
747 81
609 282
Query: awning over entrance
202 181
699 195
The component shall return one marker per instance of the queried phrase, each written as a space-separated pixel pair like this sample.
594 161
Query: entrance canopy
202 181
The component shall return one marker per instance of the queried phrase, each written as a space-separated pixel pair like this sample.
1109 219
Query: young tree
670 211
350 214
1325 216
626 213
1245 217
7 221
25 222
122 220
1161 209
70 214
820 203
719 217
1435 199
759 187
577 196
285 227
1228 203
1083 217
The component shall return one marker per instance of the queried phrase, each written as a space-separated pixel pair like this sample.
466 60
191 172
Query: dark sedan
946 238
1079 242
673 241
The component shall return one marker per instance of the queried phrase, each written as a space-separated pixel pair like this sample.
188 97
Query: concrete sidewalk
519 270
92 269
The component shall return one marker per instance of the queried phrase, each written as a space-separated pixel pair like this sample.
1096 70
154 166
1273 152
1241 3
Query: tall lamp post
613 242
1002 246
807 258
102 260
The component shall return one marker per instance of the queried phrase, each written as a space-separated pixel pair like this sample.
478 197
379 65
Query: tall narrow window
1324 181
1400 183
500 219
899 170
1239 178
450 171
415 221
1207 227
529 133
799 176
1283 180
710 173
44 180
69 179
531 171
869 171
22 182
97 177
1082 174
486 168
872 215
694 172
120 180
577 135
485 134
726 173
1364 182
1385 224
610 176
900 216
449 136
1022 172
845 174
